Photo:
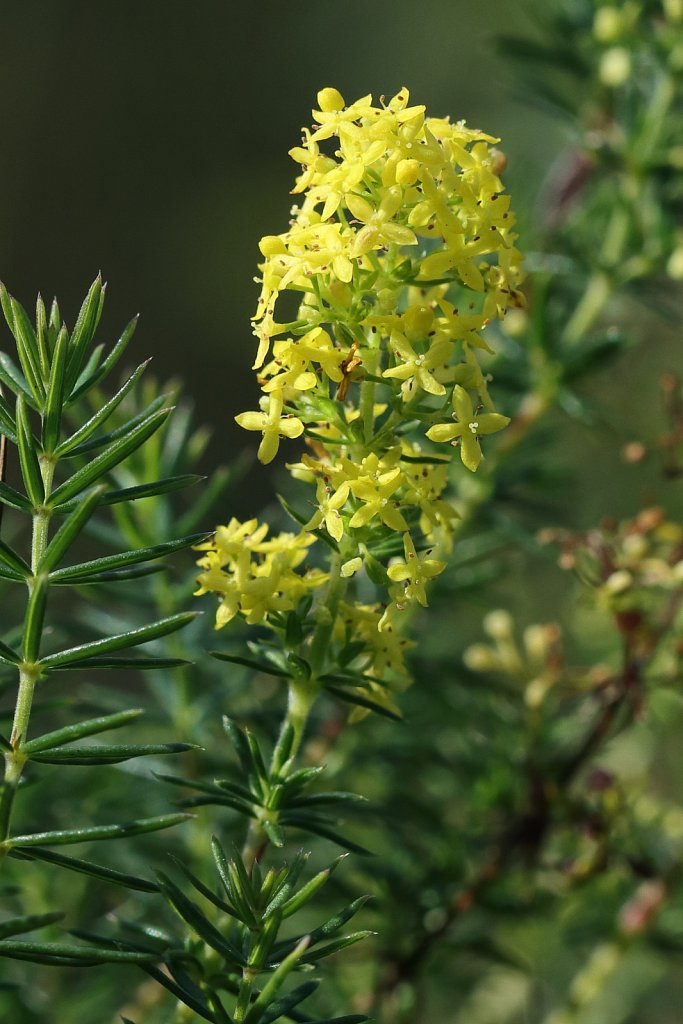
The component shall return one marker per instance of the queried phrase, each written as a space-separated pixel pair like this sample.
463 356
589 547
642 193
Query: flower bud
608 24
498 624
330 100
615 67
407 172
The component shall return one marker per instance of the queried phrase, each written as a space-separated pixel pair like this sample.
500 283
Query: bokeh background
149 140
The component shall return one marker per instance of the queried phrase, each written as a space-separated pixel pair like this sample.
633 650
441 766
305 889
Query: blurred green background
149 140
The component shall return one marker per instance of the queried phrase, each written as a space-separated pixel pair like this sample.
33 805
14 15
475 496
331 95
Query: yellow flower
467 428
272 425
414 572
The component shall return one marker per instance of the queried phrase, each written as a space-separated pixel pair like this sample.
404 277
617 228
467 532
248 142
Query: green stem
28 674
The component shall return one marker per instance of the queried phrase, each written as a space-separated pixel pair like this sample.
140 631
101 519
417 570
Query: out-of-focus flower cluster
371 328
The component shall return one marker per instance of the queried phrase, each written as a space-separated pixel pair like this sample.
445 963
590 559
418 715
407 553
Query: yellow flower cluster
400 251
254 575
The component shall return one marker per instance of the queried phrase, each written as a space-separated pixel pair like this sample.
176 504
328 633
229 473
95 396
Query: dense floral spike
400 252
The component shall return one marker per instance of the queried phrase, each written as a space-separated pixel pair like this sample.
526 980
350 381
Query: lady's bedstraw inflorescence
400 252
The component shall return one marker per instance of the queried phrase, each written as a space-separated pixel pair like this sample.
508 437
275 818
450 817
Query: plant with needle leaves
65 469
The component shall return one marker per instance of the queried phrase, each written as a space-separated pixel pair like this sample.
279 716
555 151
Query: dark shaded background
150 140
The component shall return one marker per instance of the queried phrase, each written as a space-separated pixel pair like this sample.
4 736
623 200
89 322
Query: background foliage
152 141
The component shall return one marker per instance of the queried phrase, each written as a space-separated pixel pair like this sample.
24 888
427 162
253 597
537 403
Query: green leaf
258 666
42 335
109 458
281 1006
307 891
275 982
353 697
28 459
79 572
108 753
84 329
27 350
148 490
141 664
96 833
14 562
120 641
274 832
55 394
193 916
8 426
89 380
205 891
8 656
85 867
88 727
55 952
190 999
35 616
12 498
115 576
18 925
103 414
69 530
12 377
335 946
310 824
103 440
236 882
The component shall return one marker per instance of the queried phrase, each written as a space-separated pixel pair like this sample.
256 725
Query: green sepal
54 402
88 380
85 867
281 1007
69 530
275 982
14 562
28 459
108 753
12 498
19 925
96 833
119 642
27 350
91 425
258 666
82 570
84 329
193 916
108 459
62 952
35 617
